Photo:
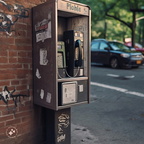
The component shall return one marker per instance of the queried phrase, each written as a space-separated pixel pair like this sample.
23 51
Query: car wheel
114 63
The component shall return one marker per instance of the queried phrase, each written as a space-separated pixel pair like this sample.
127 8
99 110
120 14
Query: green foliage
113 19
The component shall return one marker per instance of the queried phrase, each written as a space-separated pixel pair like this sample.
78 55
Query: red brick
1 102
21 33
6 77
25 66
20 26
22 73
6 112
16 72
7 40
3 59
22 53
13 60
21 87
2 107
29 32
2 124
27 119
24 60
11 88
26 41
4 83
3 52
4 118
4 46
14 121
3 130
10 66
24 82
23 114
29 54
12 53
15 82
25 127
21 47
25 108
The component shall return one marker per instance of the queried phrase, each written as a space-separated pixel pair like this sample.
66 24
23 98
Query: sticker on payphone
69 92
43 57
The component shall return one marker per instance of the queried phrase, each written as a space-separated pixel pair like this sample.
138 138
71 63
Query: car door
104 53
94 51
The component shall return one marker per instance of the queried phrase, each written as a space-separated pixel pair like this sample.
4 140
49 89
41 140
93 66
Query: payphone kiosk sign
73 7
61 54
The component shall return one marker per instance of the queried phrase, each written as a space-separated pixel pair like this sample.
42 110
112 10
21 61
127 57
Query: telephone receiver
78 53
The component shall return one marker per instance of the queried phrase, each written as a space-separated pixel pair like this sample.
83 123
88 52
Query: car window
94 46
103 45
119 46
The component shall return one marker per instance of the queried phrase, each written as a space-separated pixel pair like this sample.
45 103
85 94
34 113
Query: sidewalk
81 135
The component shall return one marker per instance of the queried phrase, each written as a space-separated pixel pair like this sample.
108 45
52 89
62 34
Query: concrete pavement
81 135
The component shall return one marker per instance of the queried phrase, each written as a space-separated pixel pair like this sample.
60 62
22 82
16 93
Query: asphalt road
115 114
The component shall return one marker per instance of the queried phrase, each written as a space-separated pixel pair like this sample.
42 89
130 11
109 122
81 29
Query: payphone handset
78 53
74 53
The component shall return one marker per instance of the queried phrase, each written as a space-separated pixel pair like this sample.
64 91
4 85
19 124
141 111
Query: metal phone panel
69 92
44 55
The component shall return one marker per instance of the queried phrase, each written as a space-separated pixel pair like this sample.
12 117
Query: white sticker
38 74
43 29
48 98
42 94
81 72
43 57
81 88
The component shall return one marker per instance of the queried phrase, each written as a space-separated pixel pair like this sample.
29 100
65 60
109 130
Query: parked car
115 54
137 47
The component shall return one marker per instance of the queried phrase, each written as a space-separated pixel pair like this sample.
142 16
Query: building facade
21 122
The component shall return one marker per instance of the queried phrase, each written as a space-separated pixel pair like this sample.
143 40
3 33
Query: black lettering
73 7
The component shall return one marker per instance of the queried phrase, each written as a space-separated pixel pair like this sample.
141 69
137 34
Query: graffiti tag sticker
43 29
11 132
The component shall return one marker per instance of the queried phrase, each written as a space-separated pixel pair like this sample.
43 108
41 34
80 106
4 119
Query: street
115 114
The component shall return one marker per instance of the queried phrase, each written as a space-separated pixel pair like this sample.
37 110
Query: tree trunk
133 28
105 29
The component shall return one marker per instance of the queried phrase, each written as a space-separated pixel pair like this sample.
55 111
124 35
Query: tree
133 6
123 11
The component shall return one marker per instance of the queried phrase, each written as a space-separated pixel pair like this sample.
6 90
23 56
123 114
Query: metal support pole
58 126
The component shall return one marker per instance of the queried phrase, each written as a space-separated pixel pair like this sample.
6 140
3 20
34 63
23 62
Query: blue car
114 54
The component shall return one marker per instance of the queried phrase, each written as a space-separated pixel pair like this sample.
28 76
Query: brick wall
16 73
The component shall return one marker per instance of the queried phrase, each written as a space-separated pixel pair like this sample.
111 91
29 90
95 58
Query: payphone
70 54
61 62
61 54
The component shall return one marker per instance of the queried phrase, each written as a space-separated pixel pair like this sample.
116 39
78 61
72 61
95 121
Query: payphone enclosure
61 54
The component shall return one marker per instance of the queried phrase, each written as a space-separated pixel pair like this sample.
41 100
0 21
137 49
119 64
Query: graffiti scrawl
7 20
64 122
6 95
